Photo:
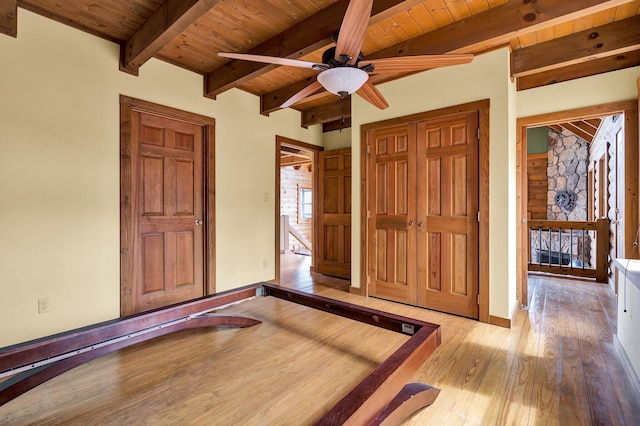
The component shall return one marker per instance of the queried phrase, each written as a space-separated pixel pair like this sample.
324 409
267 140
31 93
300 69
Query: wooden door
447 214
169 240
334 213
391 213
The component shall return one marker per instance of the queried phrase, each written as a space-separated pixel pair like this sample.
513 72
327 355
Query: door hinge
478 217
478 300
478 133
368 148
368 214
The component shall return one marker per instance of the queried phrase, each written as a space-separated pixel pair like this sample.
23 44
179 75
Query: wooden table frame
383 397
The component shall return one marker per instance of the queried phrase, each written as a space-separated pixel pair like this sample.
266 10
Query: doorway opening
576 168
296 208
296 183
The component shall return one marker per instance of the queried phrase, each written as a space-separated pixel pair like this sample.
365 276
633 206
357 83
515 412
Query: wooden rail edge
600 226
382 398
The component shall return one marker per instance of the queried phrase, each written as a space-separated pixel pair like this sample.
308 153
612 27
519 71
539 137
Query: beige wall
487 77
59 175
589 91
337 139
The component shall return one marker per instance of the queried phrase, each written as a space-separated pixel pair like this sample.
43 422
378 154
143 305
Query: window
305 204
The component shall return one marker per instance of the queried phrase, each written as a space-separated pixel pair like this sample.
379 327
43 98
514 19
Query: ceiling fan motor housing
328 57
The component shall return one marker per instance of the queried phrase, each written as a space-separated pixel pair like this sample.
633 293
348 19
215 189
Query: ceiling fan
344 71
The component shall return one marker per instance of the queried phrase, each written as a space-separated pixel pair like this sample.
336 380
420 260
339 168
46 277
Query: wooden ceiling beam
594 123
284 162
496 25
585 127
607 40
326 113
301 39
336 125
165 24
293 154
9 17
577 131
271 102
583 69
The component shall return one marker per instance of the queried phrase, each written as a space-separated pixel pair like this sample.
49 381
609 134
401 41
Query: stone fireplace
567 174
567 199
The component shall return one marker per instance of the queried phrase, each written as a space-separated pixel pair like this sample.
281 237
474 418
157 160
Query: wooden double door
422 213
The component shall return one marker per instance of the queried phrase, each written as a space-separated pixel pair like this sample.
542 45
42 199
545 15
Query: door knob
410 222
421 224
198 222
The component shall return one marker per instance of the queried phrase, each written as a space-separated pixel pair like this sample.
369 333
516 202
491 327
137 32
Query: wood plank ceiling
585 129
552 40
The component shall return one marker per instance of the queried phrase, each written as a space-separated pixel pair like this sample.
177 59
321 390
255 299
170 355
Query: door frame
482 107
315 149
630 111
128 193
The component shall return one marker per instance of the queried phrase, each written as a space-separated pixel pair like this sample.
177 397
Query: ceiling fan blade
269 60
369 93
353 29
307 91
415 63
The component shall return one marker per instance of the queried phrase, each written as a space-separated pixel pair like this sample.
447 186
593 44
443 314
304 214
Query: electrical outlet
44 305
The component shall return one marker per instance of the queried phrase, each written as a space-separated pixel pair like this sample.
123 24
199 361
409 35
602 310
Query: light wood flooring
557 365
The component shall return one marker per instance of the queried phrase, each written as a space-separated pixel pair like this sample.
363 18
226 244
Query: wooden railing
569 248
286 229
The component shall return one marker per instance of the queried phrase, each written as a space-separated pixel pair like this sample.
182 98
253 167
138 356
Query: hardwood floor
556 366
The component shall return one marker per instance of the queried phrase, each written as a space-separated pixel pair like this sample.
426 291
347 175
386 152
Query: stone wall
567 173
567 200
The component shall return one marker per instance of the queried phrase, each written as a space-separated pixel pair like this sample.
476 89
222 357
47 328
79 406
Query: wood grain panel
434 177
153 194
381 255
329 194
459 264
185 262
347 192
401 202
382 189
330 243
401 256
151 135
152 263
537 184
434 261
459 186
185 182
184 141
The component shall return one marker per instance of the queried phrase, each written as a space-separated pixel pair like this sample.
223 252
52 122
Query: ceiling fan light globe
342 79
